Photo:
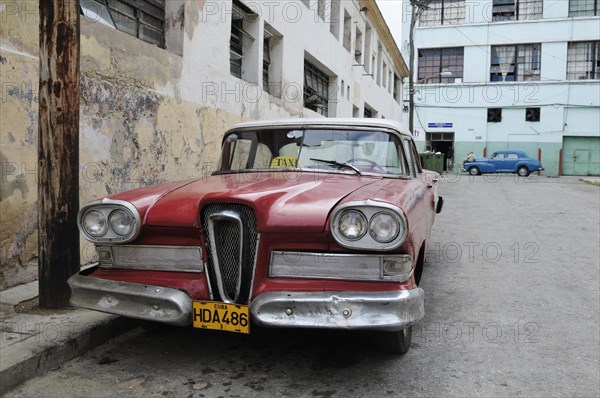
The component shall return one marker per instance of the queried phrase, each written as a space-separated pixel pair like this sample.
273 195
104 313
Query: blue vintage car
509 161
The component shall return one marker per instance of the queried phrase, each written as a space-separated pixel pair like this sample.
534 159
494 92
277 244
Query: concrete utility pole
417 8
58 150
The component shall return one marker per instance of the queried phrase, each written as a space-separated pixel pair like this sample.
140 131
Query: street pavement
512 309
33 340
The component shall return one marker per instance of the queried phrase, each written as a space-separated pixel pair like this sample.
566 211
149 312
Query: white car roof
325 122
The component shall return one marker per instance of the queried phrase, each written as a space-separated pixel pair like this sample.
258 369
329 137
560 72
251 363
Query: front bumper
153 303
388 310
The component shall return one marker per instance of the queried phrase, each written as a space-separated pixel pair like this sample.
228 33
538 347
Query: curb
591 181
35 355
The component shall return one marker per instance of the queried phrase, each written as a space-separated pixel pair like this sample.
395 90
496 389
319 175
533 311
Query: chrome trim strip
210 290
387 310
153 257
228 215
251 290
134 300
358 267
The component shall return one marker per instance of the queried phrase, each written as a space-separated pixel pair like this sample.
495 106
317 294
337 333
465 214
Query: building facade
509 74
162 80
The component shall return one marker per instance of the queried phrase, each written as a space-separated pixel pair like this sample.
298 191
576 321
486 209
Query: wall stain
19 183
194 12
14 268
176 19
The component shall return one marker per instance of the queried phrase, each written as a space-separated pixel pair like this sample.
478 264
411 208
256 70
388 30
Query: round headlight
384 227
94 223
352 225
121 222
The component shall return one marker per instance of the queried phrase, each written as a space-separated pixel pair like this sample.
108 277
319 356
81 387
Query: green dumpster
432 161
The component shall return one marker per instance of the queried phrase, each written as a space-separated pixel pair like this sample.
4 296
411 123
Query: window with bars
583 60
266 60
144 19
439 137
532 114
494 115
581 8
397 88
443 12
516 63
517 10
236 41
434 61
316 89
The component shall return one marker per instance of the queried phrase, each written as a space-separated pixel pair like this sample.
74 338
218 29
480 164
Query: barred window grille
266 60
443 12
236 42
316 89
434 61
143 19
494 115
580 8
516 63
583 60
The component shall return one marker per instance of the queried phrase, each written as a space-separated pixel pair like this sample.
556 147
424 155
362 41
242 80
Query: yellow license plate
221 316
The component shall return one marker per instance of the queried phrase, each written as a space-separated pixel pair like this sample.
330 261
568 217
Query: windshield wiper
339 164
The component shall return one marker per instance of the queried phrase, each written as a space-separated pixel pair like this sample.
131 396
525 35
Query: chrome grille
232 241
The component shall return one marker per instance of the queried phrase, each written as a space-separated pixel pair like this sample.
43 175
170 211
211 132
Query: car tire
523 171
474 171
397 342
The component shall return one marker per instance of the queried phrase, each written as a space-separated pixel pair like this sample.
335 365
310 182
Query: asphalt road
512 309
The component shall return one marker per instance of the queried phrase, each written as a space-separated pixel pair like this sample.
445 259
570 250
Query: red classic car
306 223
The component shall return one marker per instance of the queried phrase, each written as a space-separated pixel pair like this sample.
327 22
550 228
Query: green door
581 162
581 156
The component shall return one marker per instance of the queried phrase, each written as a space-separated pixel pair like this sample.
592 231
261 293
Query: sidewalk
33 340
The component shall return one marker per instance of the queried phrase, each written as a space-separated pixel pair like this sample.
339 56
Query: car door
424 184
496 160
510 162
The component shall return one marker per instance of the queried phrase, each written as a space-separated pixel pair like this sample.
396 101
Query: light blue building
509 74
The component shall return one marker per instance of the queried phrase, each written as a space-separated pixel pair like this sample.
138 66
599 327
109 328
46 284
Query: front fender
483 167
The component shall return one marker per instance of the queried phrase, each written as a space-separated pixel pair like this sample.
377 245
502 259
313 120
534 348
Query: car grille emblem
232 242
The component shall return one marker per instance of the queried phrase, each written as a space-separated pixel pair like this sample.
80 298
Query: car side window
512 156
418 167
498 156
410 156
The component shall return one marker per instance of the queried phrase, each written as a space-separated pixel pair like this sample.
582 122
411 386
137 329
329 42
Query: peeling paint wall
146 114
135 128
18 142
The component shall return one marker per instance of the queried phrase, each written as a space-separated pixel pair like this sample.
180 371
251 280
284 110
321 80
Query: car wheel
523 171
397 342
474 171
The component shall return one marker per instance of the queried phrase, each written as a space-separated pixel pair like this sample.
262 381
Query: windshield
331 150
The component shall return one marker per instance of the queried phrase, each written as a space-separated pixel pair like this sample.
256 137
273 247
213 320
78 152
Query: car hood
281 201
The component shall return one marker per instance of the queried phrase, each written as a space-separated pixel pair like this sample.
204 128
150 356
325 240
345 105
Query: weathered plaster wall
135 128
18 142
